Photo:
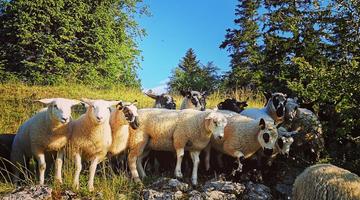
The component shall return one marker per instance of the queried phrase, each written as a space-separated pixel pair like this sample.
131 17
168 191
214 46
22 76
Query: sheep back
240 134
326 181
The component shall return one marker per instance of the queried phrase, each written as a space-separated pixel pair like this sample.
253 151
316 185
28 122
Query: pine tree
243 47
192 75
290 33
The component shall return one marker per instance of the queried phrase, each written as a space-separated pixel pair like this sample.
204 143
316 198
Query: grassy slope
17 103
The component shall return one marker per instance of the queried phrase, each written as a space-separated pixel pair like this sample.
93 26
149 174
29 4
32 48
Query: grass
17 104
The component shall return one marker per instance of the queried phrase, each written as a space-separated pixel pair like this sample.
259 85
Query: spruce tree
242 45
192 75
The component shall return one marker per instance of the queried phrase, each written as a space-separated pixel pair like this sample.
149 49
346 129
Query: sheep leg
19 163
78 167
239 157
207 151
58 165
179 155
136 148
40 157
219 160
92 171
139 165
195 158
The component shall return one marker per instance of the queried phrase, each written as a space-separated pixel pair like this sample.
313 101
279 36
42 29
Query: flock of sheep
108 128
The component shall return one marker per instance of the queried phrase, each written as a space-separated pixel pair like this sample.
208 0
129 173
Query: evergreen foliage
191 74
58 41
243 48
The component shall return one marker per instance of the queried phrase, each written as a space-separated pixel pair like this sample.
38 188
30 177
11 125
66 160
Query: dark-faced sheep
194 100
162 101
232 105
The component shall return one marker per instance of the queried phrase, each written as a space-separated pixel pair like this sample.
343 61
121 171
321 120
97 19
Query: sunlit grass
17 104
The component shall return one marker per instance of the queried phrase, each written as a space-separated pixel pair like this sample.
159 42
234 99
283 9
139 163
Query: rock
29 193
257 192
170 184
68 195
177 185
150 194
179 195
195 195
217 195
224 186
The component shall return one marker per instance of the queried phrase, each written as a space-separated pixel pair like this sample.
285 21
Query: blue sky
176 26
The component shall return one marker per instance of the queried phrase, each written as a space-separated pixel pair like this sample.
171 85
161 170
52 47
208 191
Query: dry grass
17 104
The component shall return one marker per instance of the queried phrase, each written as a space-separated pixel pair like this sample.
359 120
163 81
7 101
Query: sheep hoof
137 180
179 176
194 182
76 186
58 181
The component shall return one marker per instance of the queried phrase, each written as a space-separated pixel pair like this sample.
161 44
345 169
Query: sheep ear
220 105
86 101
46 101
151 95
135 102
183 93
120 105
113 103
262 124
74 102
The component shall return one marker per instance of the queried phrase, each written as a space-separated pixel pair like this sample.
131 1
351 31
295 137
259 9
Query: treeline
304 48
79 41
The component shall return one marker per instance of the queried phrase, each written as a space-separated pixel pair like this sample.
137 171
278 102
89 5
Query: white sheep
326 182
243 137
46 131
120 118
91 137
274 109
176 131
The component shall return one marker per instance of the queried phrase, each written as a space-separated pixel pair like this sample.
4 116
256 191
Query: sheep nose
64 119
99 118
220 137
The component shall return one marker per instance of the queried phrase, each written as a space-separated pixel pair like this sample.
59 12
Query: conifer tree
242 45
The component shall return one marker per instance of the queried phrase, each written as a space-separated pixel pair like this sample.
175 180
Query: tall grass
17 104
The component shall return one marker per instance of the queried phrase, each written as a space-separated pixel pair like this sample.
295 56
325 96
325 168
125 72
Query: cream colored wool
44 132
326 182
176 131
91 137
119 131
242 138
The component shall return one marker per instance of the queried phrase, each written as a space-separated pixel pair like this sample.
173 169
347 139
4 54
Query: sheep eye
55 106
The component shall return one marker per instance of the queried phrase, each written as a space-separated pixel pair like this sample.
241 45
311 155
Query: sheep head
130 113
215 123
59 108
99 110
198 99
277 104
267 136
232 105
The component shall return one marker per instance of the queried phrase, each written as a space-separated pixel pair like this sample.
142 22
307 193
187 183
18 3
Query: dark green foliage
309 49
243 48
58 41
191 74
